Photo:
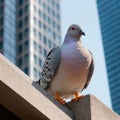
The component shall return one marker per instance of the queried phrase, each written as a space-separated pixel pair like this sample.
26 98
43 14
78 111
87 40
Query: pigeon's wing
91 69
50 67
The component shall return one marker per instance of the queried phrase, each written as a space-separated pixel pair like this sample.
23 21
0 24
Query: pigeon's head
75 32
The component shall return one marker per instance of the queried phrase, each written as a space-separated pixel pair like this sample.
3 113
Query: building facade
109 16
37 29
8 29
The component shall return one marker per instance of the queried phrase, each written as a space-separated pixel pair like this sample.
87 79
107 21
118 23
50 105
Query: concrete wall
29 102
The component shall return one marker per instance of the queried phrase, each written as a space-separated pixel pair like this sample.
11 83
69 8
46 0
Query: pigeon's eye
73 28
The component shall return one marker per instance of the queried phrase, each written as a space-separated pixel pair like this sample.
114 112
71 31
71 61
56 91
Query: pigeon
68 68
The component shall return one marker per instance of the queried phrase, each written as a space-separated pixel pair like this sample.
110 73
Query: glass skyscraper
109 15
8 29
28 30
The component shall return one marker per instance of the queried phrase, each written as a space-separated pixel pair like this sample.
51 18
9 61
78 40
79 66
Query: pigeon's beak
83 33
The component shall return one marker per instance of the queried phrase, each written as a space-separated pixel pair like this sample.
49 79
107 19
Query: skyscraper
37 29
8 29
109 15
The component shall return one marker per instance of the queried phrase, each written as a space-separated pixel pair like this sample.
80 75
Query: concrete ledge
21 98
90 108
26 101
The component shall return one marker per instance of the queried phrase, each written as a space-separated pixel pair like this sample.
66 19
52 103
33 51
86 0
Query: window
53 23
20 36
49 20
45 40
1 10
53 3
54 35
26 20
26 70
44 6
20 24
1 32
44 27
40 49
53 13
45 52
40 62
58 16
1 21
58 7
39 74
26 8
39 23
1 45
26 32
39 1
26 45
35 32
35 20
40 36
20 12
35 45
44 16
58 28
35 10
49 32
26 58
35 72
1 1
39 12
50 44
20 2
20 62
35 59
48 9
49 1
20 49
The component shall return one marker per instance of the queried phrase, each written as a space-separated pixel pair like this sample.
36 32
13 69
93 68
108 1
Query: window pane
35 72
26 20
26 70
20 62
45 52
35 59
20 49
40 62
35 32
26 58
20 12
26 45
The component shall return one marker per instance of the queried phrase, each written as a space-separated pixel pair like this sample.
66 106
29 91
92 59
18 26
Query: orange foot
57 97
77 97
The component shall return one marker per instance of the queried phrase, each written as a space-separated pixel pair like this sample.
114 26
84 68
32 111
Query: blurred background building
109 16
28 30
8 29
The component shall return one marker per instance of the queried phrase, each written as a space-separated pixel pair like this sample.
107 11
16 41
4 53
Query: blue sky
84 13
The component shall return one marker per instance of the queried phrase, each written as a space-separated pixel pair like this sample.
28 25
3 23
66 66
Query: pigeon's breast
75 58
73 70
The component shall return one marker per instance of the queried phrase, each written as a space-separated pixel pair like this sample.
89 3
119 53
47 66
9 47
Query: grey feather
50 67
91 70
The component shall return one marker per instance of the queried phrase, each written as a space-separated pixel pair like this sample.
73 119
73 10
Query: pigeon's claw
57 97
77 97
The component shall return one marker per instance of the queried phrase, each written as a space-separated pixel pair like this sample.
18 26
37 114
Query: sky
84 13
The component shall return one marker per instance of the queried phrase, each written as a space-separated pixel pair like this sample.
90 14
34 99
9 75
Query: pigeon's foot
77 97
57 97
